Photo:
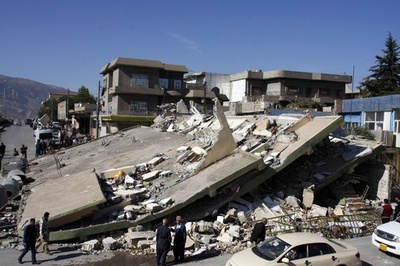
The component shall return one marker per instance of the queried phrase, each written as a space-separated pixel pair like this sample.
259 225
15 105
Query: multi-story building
274 88
133 88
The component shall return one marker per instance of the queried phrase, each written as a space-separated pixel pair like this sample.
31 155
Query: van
43 133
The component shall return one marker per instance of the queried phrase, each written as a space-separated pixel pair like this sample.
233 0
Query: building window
138 107
163 83
396 121
292 90
374 120
140 80
177 84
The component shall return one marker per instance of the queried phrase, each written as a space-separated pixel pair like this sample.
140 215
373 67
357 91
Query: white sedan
298 249
387 237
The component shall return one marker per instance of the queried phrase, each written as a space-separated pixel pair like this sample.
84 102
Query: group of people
387 210
164 239
34 236
15 152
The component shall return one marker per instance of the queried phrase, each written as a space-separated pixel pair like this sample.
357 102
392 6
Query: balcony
136 90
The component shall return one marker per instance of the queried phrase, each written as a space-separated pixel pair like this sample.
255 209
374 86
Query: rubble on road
222 174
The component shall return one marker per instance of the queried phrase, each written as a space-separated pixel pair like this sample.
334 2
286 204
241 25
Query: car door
321 254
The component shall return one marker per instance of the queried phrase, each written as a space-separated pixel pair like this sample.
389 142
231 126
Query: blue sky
66 43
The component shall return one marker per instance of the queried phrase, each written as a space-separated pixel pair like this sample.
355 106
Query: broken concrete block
198 150
292 201
153 207
308 197
204 227
243 217
165 174
183 157
144 244
132 237
166 201
206 239
153 162
90 245
182 149
318 210
109 243
225 237
150 176
234 231
218 225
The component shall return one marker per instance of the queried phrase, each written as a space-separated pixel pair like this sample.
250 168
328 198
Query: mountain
23 97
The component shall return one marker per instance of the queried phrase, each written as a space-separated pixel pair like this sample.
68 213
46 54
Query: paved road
14 136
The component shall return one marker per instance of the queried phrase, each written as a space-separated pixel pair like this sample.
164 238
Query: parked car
387 237
298 249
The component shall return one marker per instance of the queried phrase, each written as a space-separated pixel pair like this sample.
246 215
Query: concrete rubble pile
198 167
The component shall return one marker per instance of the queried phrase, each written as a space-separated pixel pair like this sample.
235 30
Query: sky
66 42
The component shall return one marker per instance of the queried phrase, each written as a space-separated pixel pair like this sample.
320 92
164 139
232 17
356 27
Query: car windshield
271 248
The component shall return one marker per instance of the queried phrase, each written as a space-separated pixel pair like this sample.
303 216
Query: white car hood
247 257
390 227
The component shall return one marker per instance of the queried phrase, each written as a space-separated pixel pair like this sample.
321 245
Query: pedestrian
386 211
179 240
397 209
258 233
37 148
43 234
23 150
29 240
15 152
163 239
2 149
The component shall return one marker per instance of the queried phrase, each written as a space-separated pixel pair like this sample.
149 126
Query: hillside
22 97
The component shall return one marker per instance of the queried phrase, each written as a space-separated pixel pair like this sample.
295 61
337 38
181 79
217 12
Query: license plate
383 247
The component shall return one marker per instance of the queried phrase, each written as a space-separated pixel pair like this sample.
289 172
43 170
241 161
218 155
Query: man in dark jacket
179 240
29 241
258 233
163 239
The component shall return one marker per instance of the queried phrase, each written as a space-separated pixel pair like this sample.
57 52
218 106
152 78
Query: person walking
179 240
29 240
397 209
43 234
24 150
386 211
15 152
2 149
163 239
258 233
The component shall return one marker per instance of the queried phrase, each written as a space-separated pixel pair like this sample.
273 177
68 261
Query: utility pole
205 98
4 101
97 112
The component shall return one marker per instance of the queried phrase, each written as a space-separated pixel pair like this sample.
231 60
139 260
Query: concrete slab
67 199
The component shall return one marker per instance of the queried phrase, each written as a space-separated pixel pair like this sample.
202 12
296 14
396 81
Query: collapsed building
236 170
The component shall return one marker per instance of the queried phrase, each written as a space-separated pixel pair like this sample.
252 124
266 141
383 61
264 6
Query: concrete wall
238 90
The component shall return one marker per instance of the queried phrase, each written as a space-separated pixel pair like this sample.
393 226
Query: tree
84 96
48 107
385 77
